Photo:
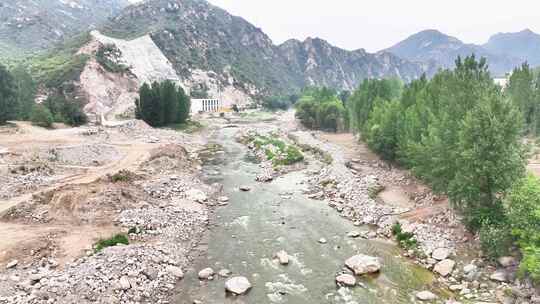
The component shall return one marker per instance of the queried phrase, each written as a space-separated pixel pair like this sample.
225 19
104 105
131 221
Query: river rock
444 267
507 261
362 264
224 273
346 280
282 257
426 296
206 273
440 254
323 241
237 285
469 268
245 188
175 271
12 264
354 234
499 276
196 195
124 283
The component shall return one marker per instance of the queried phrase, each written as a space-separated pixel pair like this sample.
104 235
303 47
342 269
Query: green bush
320 108
405 239
495 240
41 116
115 240
65 111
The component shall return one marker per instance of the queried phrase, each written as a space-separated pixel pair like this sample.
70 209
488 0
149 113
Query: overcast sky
378 24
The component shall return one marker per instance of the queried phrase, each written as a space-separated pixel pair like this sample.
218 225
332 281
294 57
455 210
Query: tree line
162 104
18 92
462 134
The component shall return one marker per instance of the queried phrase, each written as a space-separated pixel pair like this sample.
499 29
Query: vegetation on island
162 104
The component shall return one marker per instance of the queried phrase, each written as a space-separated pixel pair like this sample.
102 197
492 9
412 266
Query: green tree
523 209
41 116
522 91
491 157
382 130
25 91
162 104
8 98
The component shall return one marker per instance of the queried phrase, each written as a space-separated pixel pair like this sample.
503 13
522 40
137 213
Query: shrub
122 176
405 239
115 240
108 56
495 240
65 111
41 116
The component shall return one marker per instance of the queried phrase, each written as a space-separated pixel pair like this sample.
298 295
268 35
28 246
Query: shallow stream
275 216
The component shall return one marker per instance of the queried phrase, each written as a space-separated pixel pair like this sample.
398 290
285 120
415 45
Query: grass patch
276 150
405 240
115 240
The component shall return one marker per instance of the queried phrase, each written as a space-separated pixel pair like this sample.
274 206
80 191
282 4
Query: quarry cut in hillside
109 95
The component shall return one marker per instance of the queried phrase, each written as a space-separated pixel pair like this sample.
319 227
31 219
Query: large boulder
499 276
444 267
282 256
361 264
237 285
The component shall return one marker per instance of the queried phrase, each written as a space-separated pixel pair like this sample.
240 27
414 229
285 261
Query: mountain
524 45
322 64
197 36
33 25
442 50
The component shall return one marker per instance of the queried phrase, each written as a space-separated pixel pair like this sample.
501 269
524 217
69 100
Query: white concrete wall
206 105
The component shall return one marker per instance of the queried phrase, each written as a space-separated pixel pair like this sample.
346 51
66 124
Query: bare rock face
238 285
346 280
444 267
362 264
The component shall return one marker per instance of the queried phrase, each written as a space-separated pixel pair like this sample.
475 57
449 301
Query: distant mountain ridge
442 50
195 35
524 45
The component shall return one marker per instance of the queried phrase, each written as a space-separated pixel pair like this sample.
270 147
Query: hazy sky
378 24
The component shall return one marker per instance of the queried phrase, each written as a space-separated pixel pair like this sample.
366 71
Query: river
244 235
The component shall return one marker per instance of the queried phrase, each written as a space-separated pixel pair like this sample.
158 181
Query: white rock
282 257
507 261
426 296
206 273
124 283
440 254
224 273
196 195
323 241
245 188
362 264
237 285
444 267
346 280
175 271
469 268
499 276
12 264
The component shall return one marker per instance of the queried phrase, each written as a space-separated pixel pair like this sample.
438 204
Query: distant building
206 105
503 82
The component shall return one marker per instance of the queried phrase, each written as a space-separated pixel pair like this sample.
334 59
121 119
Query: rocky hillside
197 36
442 50
320 63
524 45
30 25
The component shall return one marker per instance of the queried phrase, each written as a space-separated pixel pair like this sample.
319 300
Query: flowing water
277 216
